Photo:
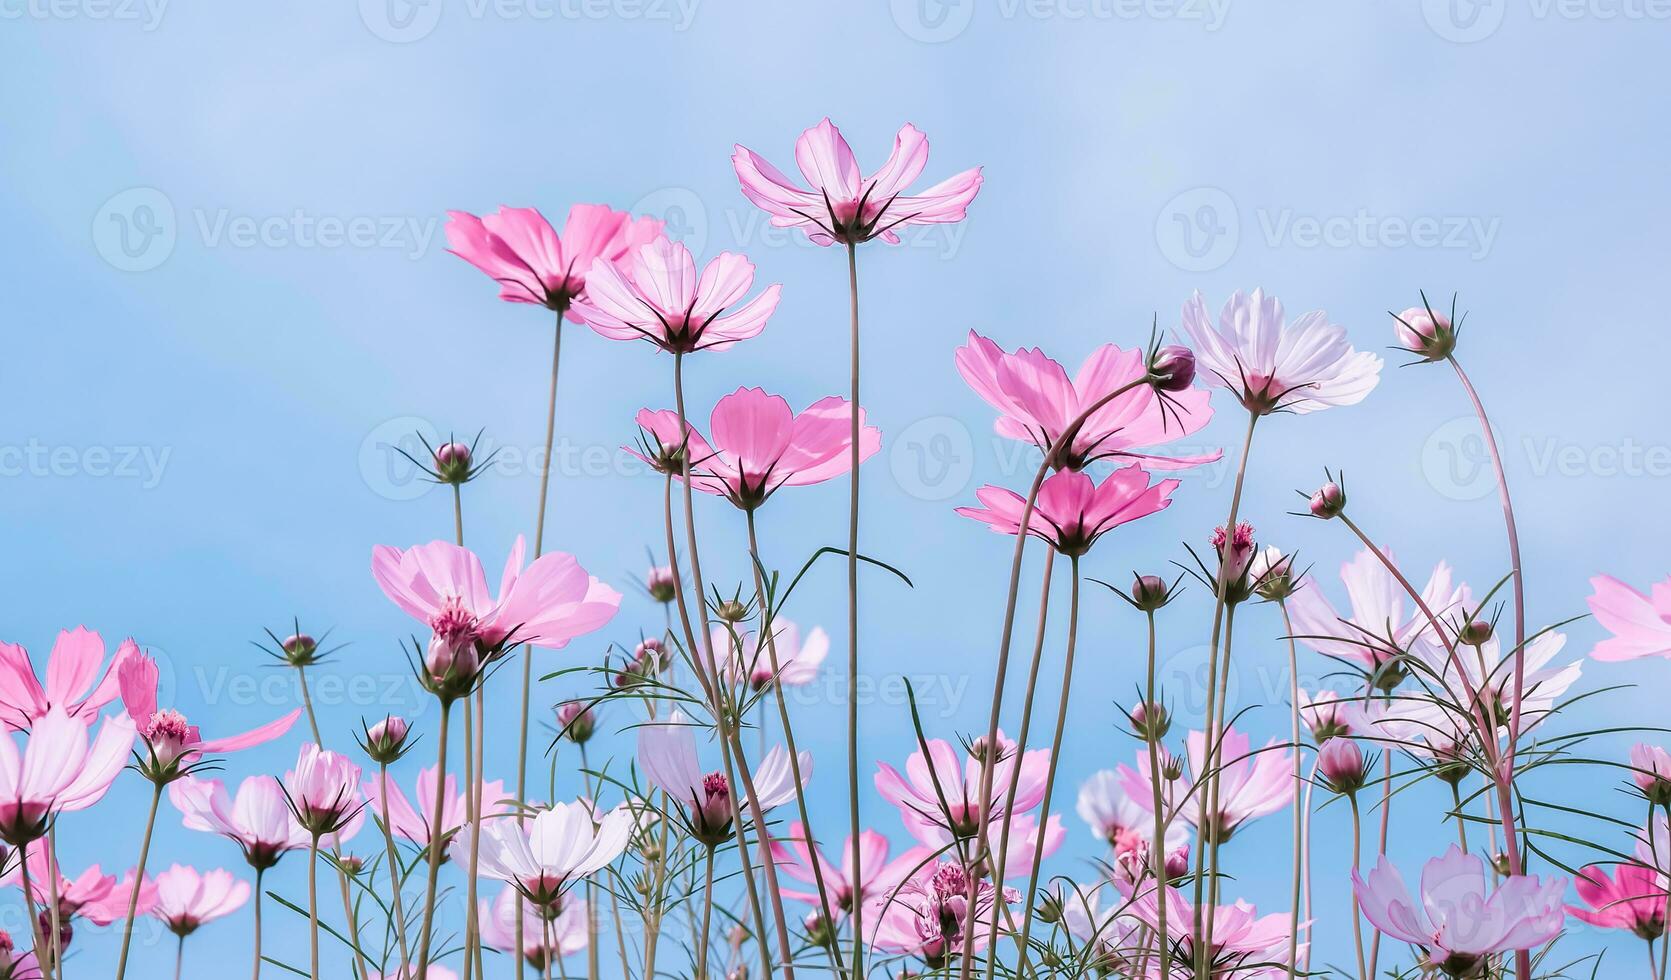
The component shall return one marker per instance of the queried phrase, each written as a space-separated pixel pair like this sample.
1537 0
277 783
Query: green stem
255 973
1357 914
435 844
855 852
1157 845
138 879
313 905
395 898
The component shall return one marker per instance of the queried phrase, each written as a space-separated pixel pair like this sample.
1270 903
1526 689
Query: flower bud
818 931
1342 765
386 740
1150 722
1172 368
1328 502
1049 908
1149 592
1425 333
1272 573
1171 768
1500 863
452 463
299 649
575 721
1235 555
1477 632
1323 716
660 584
732 611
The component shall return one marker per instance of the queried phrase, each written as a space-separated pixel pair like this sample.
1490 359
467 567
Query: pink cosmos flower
1652 774
92 895
174 744
655 294
74 680
925 915
415 824
1456 923
1633 898
1106 805
958 777
542 856
187 898
667 756
323 790
1640 624
543 940
60 769
759 445
534 264
1381 626
1324 715
15 965
795 859
1251 784
1490 671
843 207
258 819
442 585
1273 365
1037 401
798 658
1119 937
1072 511
1246 945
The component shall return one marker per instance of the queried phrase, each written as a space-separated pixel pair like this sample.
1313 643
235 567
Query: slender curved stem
1055 757
395 898
1357 913
707 917
138 880
1212 817
1310 785
29 910
255 973
1157 845
435 831
855 852
1381 847
1299 783
313 905
810 839
179 955
473 790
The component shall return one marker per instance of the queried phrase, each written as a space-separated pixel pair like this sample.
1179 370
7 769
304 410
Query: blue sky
227 294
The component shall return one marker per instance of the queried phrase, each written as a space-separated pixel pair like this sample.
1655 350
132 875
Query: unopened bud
1150 722
386 740
1172 368
1328 502
575 721
1477 632
1149 592
452 462
1342 764
1424 333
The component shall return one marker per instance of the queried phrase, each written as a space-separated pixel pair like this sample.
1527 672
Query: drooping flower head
542 856
187 898
1455 922
258 819
841 206
1272 365
173 745
1640 624
532 263
59 768
655 294
1037 401
94 896
75 681
759 445
1072 511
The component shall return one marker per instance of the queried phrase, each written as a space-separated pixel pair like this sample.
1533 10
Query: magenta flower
543 940
92 895
654 294
1455 922
187 898
533 263
1072 511
958 777
175 745
258 820
1640 624
795 859
1037 401
542 856
74 680
760 445
1276 366
59 769
15 965
667 757
416 824
1633 898
841 206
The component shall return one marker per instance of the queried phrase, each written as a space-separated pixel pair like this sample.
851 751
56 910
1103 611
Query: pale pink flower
1640 624
74 679
1037 401
655 294
759 445
841 206
1341 764
533 263
416 824
1455 922
1246 945
1323 715
442 585
958 776
1072 511
1251 784
92 895
543 940
925 916
258 819
1382 625
1273 365
1118 935
59 769
187 898
542 856
795 859
1652 774
667 756
323 790
1425 332
1235 551
1490 670
174 744
1632 898
798 657
1115 818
